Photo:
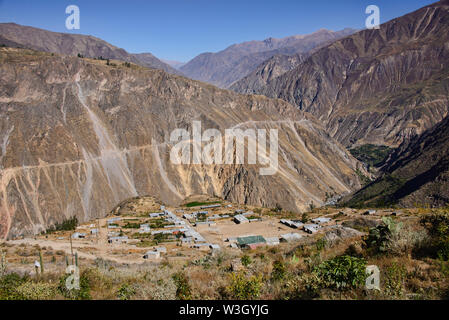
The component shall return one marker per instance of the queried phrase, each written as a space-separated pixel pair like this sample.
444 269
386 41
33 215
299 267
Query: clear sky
181 29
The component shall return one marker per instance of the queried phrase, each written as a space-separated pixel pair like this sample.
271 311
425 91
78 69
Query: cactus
379 237
76 259
67 261
41 261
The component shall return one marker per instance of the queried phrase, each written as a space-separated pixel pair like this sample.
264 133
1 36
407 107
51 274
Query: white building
240 219
152 255
290 237
321 220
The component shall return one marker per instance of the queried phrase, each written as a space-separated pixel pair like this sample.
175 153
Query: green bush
243 288
394 280
183 289
9 284
341 273
66 225
279 270
246 260
371 154
125 292
379 238
36 291
305 217
83 293
437 224
305 286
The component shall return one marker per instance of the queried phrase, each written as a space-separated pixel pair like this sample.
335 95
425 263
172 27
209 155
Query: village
143 230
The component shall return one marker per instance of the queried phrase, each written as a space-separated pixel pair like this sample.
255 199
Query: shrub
36 291
394 279
279 270
305 217
243 288
320 244
83 293
437 225
341 273
66 225
183 289
125 292
246 260
303 287
9 284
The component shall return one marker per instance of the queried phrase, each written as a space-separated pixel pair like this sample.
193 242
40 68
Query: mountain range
235 62
79 134
14 35
377 87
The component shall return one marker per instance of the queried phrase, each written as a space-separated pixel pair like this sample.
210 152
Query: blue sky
181 29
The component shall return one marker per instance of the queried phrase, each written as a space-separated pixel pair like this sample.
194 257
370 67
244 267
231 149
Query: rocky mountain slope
235 62
417 174
14 35
78 136
267 72
376 86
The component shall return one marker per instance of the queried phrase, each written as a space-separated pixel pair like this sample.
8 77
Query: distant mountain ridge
235 62
16 35
379 87
173 63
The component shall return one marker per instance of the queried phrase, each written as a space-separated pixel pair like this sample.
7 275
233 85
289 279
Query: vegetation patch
373 156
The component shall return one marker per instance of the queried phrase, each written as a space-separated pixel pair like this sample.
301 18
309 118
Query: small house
311 228
272 241
78 235
152 255
122 239
290 237
161 249
321 220
214 247
251 242
239 219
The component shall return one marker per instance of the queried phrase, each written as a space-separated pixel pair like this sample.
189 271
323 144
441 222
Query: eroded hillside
79 136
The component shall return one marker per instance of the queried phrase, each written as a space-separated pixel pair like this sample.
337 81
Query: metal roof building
152 255
289 237
321 220
250 241
240 219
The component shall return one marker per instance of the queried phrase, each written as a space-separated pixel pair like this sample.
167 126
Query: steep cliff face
376 86
417 174
14 35
267 72
235 62
78 136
